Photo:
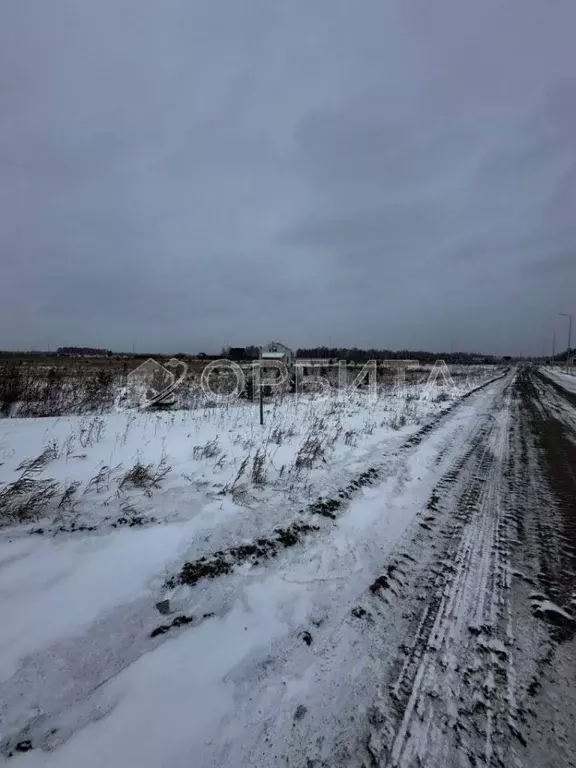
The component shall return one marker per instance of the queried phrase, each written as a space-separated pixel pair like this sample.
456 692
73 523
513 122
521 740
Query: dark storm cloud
185 174
471 213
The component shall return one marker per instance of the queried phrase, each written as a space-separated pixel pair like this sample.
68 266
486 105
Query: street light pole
564 314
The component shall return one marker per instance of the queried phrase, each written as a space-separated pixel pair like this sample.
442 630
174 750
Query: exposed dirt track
550 413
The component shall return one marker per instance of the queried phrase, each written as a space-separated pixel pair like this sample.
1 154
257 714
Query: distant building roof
276 346
273 355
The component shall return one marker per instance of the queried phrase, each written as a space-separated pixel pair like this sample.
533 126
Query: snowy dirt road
423 616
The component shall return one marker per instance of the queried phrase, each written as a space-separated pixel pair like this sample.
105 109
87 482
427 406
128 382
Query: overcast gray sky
391 173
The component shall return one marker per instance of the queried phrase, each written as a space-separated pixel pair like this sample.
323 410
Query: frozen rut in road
452 710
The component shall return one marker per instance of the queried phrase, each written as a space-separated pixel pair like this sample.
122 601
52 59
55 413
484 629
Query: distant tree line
363 355
83 351
561 357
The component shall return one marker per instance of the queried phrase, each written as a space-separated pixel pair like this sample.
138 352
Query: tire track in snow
447 693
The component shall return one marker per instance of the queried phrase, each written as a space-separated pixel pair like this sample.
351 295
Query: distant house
276 351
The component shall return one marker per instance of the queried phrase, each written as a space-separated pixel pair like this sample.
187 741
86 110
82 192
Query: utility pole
565 314
553 346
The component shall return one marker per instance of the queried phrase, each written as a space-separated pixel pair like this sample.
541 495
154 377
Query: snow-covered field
564 378
139 467
195 589
98 510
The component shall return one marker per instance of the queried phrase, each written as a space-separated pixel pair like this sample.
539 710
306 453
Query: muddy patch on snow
224 561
